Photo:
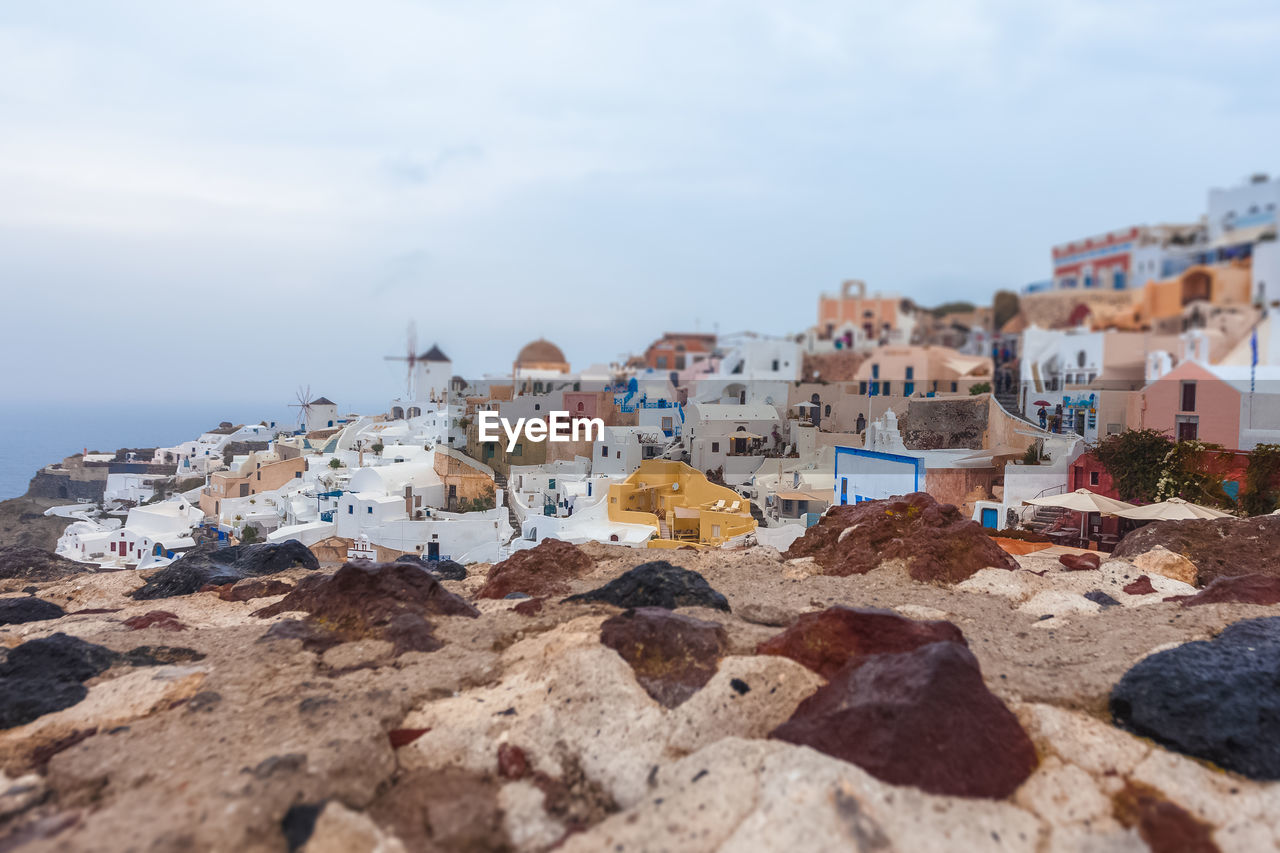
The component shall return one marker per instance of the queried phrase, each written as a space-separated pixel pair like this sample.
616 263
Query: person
1044 417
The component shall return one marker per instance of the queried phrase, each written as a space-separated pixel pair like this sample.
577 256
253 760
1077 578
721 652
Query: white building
151 536
1243 213
428 388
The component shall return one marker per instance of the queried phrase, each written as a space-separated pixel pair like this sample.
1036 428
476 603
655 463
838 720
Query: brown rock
403 737
378 601
922 718
251 588
530 606
512 762
935 541
828 640
673 655
539 571
162 620
1165 826
444 809
1215 547
1161 561
1080 562
1142 586
1244 589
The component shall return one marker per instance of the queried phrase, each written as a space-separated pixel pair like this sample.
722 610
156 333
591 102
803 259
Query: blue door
990 518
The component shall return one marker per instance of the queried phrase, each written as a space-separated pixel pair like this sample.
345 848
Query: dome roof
541 351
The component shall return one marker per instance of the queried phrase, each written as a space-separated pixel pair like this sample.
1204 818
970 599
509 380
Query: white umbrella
806 405
1172 510
1084 502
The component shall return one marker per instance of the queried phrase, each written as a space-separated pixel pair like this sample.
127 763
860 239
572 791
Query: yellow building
1161 305
681 504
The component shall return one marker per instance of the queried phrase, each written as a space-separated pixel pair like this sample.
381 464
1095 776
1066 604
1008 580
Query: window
954 387
537 407
885 389
582 407
351 509
715 447
827 410
875 371
1093 478
911 373
775 364
1188 396
662 362
604 451
862 388
368 510
1188 428
908 388
519 450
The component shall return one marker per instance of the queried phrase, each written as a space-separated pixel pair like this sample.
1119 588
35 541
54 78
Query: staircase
500 480
664 532
1044 518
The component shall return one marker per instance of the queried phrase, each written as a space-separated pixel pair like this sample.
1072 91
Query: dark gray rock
1097 596
445 570
14 611
657 584
1218 700
209 566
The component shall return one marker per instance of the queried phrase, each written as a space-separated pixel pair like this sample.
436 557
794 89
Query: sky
228 200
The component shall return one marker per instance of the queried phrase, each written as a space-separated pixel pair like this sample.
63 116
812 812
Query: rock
512 762
530 607
923 718
207 565
543 570
45 675
937 544
251 588
448 809
1142 586
162 620
298 824
1164 826
337 829
16 611
673 655
1100 598
445 570
657 584
828 640
1161 561
766 614
1080 562
18 795
1217 547
374 601
35 564
1244 589
1215 700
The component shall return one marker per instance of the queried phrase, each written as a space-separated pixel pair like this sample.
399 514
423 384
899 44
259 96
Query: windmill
303 405
411 359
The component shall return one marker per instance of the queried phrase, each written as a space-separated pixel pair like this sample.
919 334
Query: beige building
260 472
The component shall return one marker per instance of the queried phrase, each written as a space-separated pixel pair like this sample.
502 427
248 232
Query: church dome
541 351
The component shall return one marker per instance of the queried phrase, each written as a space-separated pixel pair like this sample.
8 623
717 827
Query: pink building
1190 402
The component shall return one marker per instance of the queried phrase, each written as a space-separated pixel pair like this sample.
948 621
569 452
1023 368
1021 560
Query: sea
33 435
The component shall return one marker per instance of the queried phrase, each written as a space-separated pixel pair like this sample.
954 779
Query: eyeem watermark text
559 426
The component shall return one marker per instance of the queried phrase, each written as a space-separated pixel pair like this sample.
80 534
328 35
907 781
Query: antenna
410 358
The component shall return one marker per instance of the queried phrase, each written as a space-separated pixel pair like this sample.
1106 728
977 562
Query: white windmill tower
304 405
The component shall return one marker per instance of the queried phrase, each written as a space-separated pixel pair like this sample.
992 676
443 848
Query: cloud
314 175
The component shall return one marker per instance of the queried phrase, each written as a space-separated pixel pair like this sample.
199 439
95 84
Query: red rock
1243 589
936 542
1217 547
530 606
1142 586
922 718
512 762
251 588
672 655
828 640
161 619
404 737
1165 826
384 601
543 570
1080 562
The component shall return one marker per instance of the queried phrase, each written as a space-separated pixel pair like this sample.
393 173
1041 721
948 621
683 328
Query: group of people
1051 421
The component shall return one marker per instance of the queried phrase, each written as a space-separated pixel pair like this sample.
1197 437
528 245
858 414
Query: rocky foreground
894 682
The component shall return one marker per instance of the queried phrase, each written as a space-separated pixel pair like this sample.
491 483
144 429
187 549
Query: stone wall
945 423
61 485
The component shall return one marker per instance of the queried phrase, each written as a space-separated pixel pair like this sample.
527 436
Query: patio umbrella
1172 510
1084 502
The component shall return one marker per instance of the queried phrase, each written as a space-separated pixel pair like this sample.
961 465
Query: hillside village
968 577
713 440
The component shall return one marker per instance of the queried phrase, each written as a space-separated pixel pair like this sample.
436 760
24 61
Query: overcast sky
234 198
